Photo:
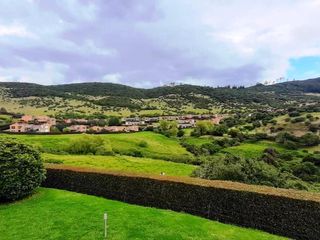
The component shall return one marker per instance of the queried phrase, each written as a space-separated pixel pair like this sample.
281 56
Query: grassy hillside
297 126
56 214
122 164
109 98
158 146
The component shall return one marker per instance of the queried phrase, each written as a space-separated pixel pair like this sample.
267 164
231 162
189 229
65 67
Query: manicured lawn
123 164
57 214
158 146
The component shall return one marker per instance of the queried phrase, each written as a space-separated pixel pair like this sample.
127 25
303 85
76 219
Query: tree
3 110
219 130
114 121
242 170
89 144
180 133
203 128
309 139
21 169
168 128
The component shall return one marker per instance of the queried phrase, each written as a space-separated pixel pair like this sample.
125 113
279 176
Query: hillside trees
168 128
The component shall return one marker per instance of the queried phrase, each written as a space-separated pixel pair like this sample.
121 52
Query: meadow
157 146
121 163
57 214
253 150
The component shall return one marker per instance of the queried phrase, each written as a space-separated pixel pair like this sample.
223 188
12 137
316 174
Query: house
133 123
19 127
97 128
216 119
25 128
132 129
170 118
151 119
27 118
122 128
186 123
38 119
114 128
45 119
78 128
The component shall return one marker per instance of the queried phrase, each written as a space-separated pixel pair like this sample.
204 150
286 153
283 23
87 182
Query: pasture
122 163
158 146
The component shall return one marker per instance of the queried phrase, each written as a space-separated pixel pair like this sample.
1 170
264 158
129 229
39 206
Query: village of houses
46 124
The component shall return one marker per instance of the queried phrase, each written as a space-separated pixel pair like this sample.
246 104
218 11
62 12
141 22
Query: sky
149 43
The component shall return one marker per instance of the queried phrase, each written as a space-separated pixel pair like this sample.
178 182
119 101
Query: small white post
105 217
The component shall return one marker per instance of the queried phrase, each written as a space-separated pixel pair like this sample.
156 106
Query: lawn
158 146
123 164
56 214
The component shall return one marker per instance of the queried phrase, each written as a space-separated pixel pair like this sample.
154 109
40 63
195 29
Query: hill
110 98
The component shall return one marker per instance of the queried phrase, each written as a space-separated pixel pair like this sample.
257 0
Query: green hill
110 98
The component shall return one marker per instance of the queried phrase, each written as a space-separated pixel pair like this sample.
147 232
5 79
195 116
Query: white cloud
52 73
112 77
15 30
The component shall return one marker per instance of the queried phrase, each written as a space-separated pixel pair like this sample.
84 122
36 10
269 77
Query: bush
241 170
180 133
309 139
89 144
143 144
21 170
168 128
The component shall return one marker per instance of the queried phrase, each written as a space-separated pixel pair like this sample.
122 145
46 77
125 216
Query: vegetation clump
21 168
89 144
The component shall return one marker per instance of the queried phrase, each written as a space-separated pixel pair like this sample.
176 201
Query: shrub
309 139
219 130
313 158
21 170
143 144
180 133
89 144
243 170
168 128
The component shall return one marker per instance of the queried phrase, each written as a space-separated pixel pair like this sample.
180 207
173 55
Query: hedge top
228 185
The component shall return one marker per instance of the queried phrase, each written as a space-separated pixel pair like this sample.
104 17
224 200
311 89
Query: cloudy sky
146 43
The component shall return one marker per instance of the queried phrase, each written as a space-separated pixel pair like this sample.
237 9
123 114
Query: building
78 128
122 128
186 123
97 129
38 119
29 128
217 119
26 118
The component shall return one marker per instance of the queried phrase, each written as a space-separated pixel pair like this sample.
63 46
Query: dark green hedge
294 218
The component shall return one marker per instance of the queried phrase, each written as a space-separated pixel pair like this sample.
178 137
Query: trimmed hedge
290 213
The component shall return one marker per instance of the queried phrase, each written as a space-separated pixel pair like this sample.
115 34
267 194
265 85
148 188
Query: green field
158 146
57 214
123 164
252 150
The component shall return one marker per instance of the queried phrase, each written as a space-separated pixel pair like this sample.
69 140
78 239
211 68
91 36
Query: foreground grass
123 164
158 146
57 214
